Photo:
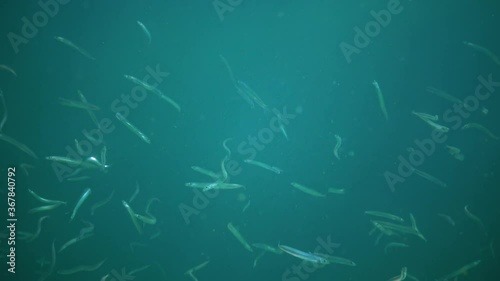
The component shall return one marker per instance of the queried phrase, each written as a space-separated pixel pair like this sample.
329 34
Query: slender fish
459 271
224 145
444 95
206 172
238 236
268 248
224 173
231 74
38 229
19 145
448 219
81 178
413 230
44 200
52 264
145 30
252 94
132 216
281 124
75 240
307 190
198 267
401 276
384 215
221 185
239 89
154 90
43 208
243 94
482 129
268 167
337 146
136 192
455 152
337 260
246 206
149 218
430 120
84 196
310 257
89 163
201 185
259 256
430 177
393 245
483 50
380 97
78 104
101 203
140 83
72 45
104 151
168 99
132 128
8 69
425 116
336 190
81 268
86 230
475 219
91 113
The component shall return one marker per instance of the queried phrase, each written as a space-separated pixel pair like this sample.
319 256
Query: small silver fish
145 30
310 257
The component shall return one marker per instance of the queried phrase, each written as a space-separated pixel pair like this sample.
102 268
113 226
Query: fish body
246 90
78 104
145 30
221 185
307 190
380 97
337 146
384 215
8 69
310 257
206 172
89 163
132 216
18 144
267 248
268 167
239 237
74 46
132 128
84 196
